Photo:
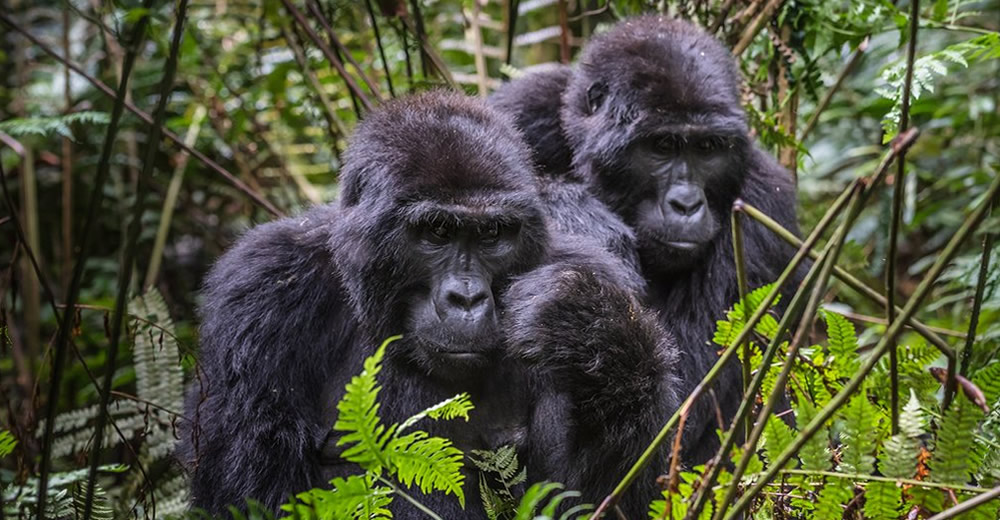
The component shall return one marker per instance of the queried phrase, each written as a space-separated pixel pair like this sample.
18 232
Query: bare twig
723 13
968 505
741 289
965 356
344 51
381 48
303 24
563 32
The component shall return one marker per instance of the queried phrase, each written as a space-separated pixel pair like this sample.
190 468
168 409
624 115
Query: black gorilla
652 117
440 235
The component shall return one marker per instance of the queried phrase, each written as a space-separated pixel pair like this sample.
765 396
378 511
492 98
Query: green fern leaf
988 511
815 454
777 437
831 499
7 443
861 420
59 125
451 408
843 344
951 461
358 416
988 380
433 463
883 500
355 497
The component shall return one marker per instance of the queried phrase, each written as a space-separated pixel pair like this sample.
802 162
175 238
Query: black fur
646 78
293 308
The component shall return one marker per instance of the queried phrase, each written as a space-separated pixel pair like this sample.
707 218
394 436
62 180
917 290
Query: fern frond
883 500
451 408
358 416
433 463
951 461
843 344
815 454
777 437
831 500
7 443
59 125
355 497
861 420
988 380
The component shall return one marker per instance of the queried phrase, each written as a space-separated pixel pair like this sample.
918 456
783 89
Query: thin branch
511 29
875 478
895 328
381 48
863 318
755 26
968 505
741 289
965 355
476 33
563 32
128 259
343 51
301 21
108 91
723 13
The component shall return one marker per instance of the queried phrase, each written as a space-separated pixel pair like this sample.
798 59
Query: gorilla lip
683 244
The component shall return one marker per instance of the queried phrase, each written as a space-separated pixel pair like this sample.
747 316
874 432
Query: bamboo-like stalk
741 290
170 200
850 280
923 289
894 225
335 125
476 34
131 245
511 29
67 163
968 505
113 95
31 292
706 381
749 396
829 259
60 345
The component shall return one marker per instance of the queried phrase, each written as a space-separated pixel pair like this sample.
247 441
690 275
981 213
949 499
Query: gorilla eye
671 143
490 235
710 144
437 234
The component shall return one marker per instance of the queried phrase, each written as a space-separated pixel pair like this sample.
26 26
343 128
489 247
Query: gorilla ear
595 96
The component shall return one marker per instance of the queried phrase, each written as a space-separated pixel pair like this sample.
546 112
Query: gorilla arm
272 320
604 368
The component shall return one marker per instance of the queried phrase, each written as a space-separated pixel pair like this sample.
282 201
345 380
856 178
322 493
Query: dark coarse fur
631 82
293 308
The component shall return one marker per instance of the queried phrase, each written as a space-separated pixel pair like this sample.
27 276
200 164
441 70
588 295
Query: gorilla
441 234
652 120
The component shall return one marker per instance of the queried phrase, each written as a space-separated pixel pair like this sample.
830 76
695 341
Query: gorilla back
438 213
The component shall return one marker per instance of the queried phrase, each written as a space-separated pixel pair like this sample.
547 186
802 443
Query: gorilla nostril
686 208
466 302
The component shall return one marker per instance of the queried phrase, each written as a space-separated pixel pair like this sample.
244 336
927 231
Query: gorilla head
436 230
654 118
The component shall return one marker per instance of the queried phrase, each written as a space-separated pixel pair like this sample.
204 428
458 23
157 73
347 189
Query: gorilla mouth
683 245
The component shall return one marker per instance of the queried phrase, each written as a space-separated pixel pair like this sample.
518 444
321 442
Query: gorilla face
452 320
653 115
436 229
686 170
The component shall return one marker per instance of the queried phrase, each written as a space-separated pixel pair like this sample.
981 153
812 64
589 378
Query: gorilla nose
468 298
685 200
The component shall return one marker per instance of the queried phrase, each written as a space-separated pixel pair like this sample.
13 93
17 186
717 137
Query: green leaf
815 454
843 344
433 463
883 500
355 497
7 443
859 435
831 499
777 437
60 125
951 461
358 416
457 406
988 380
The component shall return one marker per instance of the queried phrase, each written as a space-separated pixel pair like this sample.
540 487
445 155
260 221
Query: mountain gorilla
652 117
440 235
